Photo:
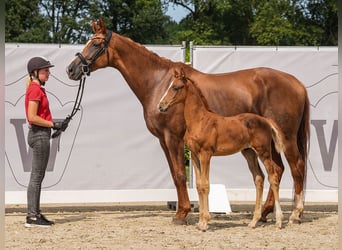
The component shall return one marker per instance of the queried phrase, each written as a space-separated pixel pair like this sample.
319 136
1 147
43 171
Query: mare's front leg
202 183
174 150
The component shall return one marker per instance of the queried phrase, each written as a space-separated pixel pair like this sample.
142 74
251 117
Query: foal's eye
176 88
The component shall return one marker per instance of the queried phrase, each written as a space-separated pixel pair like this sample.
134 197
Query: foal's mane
198 92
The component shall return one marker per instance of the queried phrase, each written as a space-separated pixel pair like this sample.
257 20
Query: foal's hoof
295 221
202 227
179 221
252 225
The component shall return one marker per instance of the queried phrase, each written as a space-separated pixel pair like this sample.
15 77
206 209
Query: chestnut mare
264 91
209 134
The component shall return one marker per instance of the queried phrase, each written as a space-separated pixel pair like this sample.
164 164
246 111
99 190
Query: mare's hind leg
258 177
297 167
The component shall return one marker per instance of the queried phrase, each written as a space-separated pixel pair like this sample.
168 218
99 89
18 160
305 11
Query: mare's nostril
68 70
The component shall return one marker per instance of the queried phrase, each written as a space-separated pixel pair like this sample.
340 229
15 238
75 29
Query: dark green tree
69 21
203 24
323 15
258 22
143 21
24 23
213 22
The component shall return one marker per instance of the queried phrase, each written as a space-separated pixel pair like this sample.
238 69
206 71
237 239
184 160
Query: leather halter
85 64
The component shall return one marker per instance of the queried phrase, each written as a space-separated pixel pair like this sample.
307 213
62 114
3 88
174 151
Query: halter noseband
86 65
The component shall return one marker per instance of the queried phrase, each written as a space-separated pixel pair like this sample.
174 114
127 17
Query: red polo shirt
36 93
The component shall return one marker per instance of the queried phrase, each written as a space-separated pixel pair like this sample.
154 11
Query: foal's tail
277 136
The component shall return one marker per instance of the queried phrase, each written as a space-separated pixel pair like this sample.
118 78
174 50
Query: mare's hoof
179 221
263 219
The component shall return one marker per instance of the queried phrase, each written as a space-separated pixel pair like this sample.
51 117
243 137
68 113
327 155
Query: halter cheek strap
85 64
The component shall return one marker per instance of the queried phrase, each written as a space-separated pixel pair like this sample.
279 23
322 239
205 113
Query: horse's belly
227 150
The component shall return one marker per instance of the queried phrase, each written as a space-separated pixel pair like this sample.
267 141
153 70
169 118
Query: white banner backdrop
317 68
107 145
108 155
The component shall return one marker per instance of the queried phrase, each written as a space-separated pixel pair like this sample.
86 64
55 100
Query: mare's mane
148 55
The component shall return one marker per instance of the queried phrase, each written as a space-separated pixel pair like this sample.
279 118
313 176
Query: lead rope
76 105
78 98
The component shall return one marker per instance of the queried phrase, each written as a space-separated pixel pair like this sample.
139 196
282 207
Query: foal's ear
182 74
176 73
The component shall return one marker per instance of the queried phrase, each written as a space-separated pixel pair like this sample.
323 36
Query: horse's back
264 91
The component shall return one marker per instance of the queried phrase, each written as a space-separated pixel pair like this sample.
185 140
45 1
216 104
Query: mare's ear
94 25
102 26
99 27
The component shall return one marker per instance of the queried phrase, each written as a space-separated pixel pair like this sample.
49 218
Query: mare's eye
96 45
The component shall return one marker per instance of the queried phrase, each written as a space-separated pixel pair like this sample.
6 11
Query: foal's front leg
202 183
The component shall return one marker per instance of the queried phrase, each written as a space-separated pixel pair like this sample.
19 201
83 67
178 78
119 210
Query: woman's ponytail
28 81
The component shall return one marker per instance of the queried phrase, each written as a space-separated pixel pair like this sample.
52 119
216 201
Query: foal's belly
228 150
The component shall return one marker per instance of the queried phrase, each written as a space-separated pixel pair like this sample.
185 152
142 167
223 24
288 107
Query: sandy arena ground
148 226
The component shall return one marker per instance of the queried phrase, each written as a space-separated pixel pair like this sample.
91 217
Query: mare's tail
303 136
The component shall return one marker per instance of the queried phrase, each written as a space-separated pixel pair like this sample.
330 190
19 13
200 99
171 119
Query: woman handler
40 123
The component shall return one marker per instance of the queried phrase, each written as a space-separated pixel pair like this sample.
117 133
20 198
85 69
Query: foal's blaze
209 134
264 91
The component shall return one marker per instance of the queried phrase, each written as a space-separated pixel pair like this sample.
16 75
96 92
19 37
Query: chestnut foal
209 134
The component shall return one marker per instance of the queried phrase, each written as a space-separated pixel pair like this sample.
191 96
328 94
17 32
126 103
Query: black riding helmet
37 63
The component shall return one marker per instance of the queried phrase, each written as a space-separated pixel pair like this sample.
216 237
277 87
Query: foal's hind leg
274 182
258 177
298 173
273 179
270 200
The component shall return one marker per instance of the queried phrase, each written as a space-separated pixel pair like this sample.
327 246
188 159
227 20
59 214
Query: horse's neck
137 65
194 105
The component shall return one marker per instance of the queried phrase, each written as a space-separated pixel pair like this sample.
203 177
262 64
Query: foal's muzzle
162 108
